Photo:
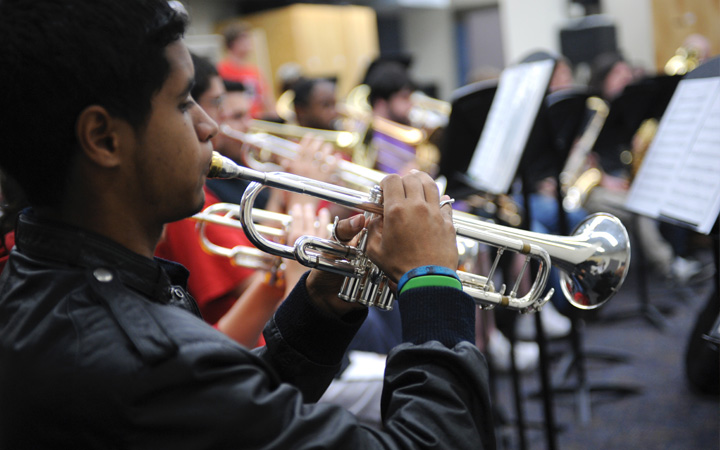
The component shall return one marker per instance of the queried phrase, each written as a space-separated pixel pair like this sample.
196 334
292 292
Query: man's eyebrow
190 85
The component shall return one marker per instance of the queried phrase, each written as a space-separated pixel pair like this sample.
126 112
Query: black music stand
558 122
470 107
692 115
562 118
642 100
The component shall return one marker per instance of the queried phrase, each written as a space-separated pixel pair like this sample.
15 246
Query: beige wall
675 20
428 34
324 40
205 13
526 26
529 25
634 29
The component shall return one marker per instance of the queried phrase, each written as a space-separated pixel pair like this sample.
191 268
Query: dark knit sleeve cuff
319 336
435 313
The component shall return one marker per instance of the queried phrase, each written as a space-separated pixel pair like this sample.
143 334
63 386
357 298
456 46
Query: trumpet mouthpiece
215 166
221 167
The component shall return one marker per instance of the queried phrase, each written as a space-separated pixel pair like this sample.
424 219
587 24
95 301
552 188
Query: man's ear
99 135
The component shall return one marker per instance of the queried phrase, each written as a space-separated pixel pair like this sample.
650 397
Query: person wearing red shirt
12 201
236 66
214 281
236 300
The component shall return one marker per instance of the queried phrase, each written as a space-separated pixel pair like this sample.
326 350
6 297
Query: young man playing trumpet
100 344
315 103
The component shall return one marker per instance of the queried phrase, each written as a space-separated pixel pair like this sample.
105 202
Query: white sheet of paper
680 175
512 114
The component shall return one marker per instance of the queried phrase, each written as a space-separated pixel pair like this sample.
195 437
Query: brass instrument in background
594 261
271 224
344 141
356 120
285 108
358 115
576 179
404 133
275 226
683 61
640 143
260 149
243 256
349 137
501 206
429 113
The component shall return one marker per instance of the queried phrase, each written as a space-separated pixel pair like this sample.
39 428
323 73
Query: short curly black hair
60 56
600 68
386 80
205 70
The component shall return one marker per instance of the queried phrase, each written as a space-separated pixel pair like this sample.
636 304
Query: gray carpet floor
660 412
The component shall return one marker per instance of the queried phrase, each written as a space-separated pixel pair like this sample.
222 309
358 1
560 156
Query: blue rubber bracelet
431 280
425 270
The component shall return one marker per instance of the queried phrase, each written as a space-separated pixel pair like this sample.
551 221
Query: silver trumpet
275 226
594 261
351 174
226 214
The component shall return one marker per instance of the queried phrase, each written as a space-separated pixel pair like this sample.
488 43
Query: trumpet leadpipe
222 167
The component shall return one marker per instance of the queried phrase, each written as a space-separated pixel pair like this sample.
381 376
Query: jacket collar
62 243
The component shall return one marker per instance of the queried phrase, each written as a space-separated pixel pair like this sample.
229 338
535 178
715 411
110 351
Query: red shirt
250 78
5 251
214 281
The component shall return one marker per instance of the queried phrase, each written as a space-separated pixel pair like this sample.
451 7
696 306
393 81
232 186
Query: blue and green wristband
425 276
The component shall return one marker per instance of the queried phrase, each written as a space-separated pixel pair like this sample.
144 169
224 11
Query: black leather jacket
103 348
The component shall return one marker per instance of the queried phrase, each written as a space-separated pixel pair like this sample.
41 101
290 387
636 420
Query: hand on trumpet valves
323 287
416 229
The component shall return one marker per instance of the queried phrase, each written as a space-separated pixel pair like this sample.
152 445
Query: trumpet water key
595 260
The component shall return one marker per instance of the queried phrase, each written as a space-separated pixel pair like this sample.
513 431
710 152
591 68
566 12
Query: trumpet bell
593 261
595 268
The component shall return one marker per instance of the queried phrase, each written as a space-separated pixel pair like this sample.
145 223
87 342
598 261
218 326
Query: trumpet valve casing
372 287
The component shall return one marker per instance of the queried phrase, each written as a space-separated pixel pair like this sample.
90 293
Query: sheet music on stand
520 92
679 179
